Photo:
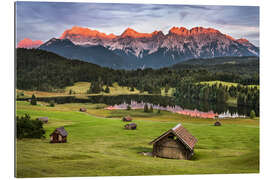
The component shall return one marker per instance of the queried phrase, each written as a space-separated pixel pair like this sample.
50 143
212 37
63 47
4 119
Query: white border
7 87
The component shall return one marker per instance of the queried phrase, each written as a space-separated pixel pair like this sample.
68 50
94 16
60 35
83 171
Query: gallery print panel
111 89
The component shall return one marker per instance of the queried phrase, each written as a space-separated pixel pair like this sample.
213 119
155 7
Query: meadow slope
99 146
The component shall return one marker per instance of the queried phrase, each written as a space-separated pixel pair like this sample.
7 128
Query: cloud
183 15
44 20
198 7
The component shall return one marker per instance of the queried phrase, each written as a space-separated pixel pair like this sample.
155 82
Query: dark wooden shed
131 126
59 135
127 119
83 109
176 143
43 119
217 123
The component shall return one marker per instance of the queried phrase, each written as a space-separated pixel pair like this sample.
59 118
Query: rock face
132 49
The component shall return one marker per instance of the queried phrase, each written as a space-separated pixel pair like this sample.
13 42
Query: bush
128 107
158 111
107 89
20 94
27 128
145 109
252 114
51 104
151 109
70 91
33 100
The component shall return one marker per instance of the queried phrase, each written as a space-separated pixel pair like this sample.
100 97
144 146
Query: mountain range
132 49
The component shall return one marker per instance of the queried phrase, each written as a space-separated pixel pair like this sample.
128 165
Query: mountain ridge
133 49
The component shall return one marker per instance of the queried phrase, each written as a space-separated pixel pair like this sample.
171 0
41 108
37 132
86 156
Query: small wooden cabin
43 119
127 119
176 143
217 123
83 109
59 135
131 126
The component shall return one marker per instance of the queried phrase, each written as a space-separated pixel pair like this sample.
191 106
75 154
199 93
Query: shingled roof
182 134
61 131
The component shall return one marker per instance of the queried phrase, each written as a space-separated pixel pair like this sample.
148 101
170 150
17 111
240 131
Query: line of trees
211 93
218 93
45 71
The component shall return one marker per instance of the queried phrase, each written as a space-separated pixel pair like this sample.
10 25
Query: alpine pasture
98 145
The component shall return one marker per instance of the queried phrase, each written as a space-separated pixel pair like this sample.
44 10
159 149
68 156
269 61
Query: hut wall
64 139
170 148
59 138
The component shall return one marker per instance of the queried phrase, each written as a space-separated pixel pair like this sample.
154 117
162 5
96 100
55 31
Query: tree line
46 71
218 93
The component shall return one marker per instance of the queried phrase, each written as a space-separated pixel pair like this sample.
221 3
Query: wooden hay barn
43 119
83 109
176 143
131 126
127 119
217 123
59 135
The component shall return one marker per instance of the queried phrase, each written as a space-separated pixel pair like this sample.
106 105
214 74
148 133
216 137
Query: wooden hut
217 123
44 119
131 126
127 119
176 143
59 135
83 109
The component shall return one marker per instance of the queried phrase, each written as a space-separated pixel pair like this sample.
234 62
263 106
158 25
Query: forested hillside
46 71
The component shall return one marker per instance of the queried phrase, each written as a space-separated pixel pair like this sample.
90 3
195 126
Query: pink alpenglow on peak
76 33
242 41
134 34
196 30
80 32
28 43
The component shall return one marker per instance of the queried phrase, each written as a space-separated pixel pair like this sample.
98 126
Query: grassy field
79 89
229 84
99 146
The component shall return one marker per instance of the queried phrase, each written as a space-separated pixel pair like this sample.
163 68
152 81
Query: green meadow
229 84
99 146
79 89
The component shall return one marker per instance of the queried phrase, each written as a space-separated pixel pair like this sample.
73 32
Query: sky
45 20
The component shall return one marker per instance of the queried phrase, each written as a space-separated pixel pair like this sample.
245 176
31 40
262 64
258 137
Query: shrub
158 111
20 94
51 104
252 114
107 89
151 109
128 107
145 109
27 128
33 100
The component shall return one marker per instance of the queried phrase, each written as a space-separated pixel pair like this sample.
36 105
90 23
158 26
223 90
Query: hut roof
131 124
182 134
127 118
61 131
43 118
